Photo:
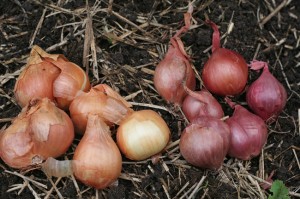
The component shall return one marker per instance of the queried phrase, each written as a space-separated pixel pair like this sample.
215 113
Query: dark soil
128 63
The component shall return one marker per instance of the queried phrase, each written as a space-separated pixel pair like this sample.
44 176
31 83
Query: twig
128 21
6 119
197 187
87 38
151 106
76 186
36 196
297 160
38 27
52 188
299 120
182 189
275 11
29 179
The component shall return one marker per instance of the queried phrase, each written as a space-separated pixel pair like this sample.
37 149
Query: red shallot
201 103
266 96
204 142
225 72
248 133
175 68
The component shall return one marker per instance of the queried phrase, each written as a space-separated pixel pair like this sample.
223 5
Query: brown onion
102 100
40 131
97 161
174 69
248 133
226 71
142 134
201 103
204 142
266 96
52 76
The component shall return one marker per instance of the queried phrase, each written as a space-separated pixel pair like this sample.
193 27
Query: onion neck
187 21
216 35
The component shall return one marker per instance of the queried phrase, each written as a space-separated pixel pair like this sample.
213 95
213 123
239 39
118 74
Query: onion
248 133
97 161
266 96
175 68
201 103
226 71
204 142
142 134
51 76
102 100
40 131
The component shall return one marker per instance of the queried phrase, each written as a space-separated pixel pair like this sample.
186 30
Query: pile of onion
50 76
226 71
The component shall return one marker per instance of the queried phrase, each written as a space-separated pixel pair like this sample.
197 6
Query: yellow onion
102 100
142 134
51 76
97 161
40 131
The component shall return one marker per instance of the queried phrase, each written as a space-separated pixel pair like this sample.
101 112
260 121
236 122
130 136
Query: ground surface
130 39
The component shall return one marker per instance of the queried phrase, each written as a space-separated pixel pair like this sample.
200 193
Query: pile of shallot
58 101
210 136
49 87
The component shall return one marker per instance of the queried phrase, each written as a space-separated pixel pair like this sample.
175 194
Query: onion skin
225 72
50 76
175 69
266 96
142 134
171 72
201 103
102 100
40 131
97 159
36 80
204 142
248 134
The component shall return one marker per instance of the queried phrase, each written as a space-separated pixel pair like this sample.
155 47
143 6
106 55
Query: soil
127 61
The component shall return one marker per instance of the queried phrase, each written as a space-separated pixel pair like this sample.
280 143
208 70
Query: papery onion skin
40 131
97 159
201 103
248 134
50 76
204 142
71 80
142 134
109 105
36 81
225 72
266 96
